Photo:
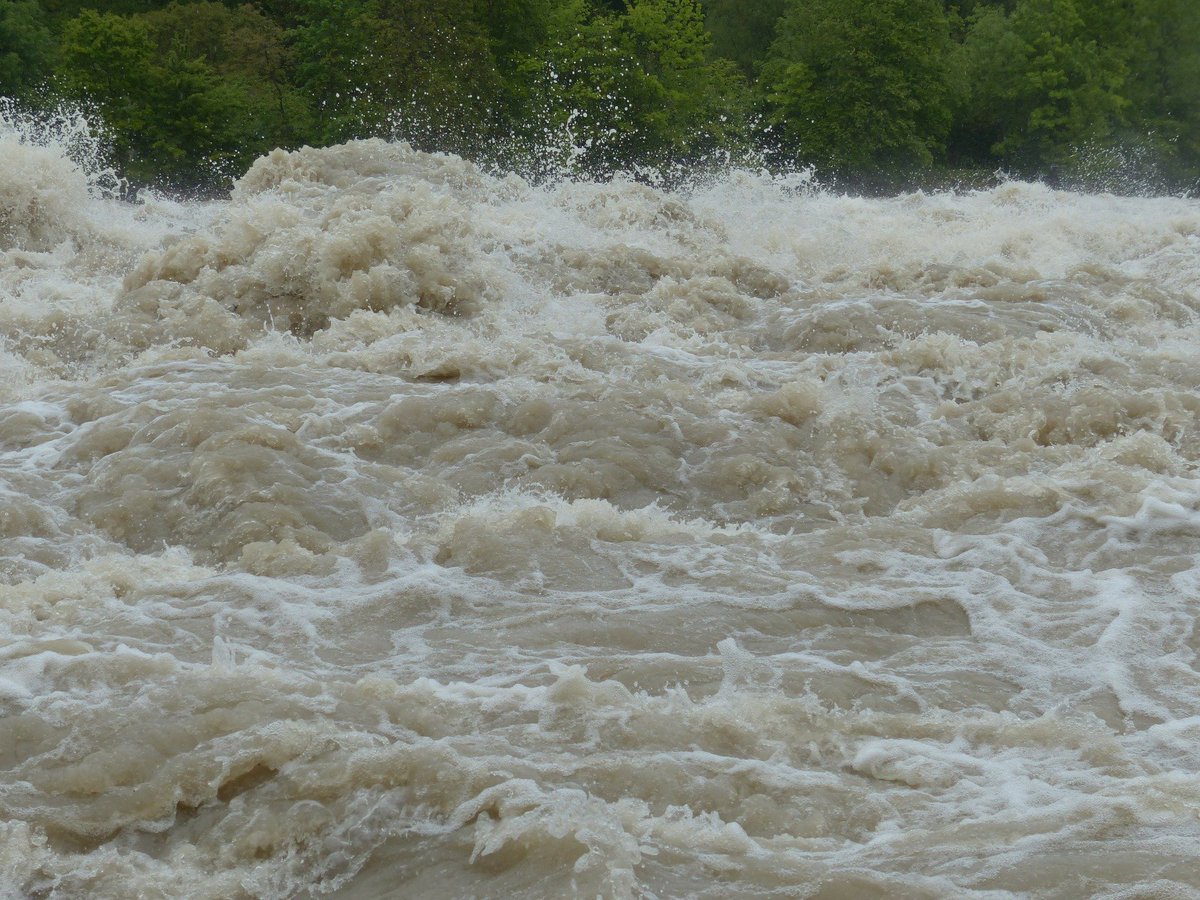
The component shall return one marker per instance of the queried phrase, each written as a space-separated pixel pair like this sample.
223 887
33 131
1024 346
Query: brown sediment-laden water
393 528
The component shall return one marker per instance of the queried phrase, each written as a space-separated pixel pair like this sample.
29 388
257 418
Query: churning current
397 529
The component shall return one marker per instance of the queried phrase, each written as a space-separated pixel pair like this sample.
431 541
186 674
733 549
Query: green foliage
64 9
174 119
420 67
862 85
26 46
1163 86
192 90
635 87
248 53
515 27
1178 67
106 57
742 30
1042 83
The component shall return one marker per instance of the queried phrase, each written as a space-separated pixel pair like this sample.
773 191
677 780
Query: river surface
396 529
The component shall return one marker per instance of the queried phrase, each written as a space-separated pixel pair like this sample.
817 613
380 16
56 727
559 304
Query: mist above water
396 523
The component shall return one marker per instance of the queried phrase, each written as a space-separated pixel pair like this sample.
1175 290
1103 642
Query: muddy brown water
397 529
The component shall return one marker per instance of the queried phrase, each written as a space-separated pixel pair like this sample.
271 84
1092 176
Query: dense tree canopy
26 45
1043 82
192 90
634 86
742 31
173 115
862 85
369 64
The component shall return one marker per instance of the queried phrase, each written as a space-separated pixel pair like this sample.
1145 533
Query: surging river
396 529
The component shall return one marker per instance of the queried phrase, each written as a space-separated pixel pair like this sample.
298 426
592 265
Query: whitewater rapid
393 528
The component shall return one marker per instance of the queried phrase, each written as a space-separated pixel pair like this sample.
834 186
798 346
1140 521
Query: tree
192 90
742 30
25 46
173 119
1163 85
1178 117
861 86
69 9
515 27
634 87
248 54
1042 83
420 67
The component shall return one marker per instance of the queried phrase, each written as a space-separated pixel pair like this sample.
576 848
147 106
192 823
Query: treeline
880 91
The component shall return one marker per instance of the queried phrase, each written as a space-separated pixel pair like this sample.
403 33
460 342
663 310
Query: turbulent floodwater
395 529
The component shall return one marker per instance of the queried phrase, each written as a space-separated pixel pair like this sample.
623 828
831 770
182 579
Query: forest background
874 94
